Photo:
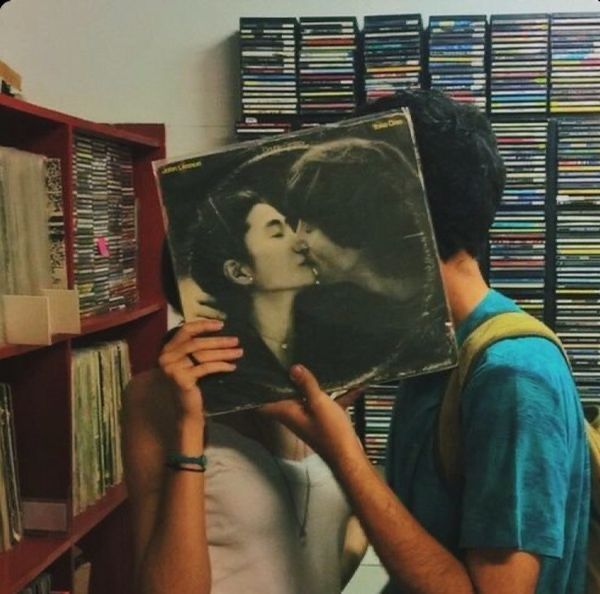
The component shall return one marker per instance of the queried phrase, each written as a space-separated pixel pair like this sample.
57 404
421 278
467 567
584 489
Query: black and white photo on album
316 247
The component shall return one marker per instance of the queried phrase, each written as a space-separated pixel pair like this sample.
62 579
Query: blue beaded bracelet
181 462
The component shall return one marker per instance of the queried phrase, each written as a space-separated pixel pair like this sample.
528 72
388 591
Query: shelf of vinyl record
36 305
35 302
43 583
28 561
78 290
99 374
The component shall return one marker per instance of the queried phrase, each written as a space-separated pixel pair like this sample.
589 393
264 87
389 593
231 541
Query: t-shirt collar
491 304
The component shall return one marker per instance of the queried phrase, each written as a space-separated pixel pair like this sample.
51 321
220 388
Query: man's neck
464 285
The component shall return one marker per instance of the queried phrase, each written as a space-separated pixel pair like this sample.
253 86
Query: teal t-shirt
526 463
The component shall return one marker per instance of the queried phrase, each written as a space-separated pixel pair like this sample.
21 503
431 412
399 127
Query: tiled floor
369 578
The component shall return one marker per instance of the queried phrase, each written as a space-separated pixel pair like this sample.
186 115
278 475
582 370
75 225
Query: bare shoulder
148 395
144 386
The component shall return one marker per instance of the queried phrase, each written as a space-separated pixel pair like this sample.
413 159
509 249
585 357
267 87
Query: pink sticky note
102 245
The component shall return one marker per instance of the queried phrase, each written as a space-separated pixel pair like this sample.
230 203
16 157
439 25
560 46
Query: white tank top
253 526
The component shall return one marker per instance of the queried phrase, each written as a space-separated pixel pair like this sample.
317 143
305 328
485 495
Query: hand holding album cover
317 248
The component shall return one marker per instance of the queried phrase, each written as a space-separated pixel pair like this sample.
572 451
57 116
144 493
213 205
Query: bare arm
355 543
416 561
164 414
503 571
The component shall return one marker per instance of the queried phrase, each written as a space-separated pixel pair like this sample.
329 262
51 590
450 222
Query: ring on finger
193 359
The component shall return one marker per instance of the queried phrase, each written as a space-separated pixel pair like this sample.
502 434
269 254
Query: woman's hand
190 356
197 303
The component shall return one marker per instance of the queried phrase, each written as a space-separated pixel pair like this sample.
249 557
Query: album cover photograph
315 247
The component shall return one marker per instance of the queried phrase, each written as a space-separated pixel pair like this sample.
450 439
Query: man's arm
503 571
416 561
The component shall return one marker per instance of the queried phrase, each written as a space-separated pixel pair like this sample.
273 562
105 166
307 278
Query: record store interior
140 81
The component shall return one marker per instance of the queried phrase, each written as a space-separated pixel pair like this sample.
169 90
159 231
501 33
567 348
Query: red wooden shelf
28 559
25 561
13 350
117 318
88 326
94 514
113 132
41 375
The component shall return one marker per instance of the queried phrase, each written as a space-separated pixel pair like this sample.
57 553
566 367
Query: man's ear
238 273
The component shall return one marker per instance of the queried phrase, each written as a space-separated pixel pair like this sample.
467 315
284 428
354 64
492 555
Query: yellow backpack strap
592 414
518 324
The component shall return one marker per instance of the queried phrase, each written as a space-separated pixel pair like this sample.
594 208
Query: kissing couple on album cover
316 248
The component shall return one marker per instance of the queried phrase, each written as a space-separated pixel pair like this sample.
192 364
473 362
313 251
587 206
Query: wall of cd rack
59 402
297 72
537 77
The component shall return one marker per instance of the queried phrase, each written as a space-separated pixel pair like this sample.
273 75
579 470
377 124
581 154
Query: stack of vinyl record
392 54
517 238
519 63
578 250
457 57
105 225
27 226
11 508
253 130
575 64
379 403
98 374
268 67
42 584
328 67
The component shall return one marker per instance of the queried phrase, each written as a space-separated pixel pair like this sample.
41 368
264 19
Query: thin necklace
301 520
284 344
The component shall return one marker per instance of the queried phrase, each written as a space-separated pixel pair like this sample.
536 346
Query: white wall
171 61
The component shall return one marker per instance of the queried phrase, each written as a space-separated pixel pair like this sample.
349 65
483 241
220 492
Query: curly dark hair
463 172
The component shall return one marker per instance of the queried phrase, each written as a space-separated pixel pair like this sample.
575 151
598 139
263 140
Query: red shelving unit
34 554
40 376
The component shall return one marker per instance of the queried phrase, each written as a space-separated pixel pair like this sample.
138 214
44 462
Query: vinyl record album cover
317 248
